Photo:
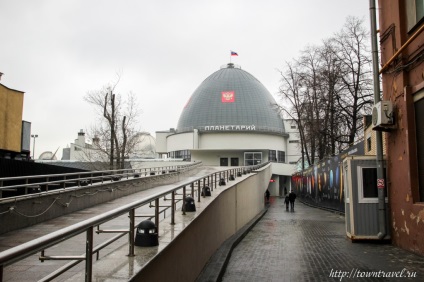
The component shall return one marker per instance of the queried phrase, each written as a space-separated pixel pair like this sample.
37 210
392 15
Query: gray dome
145 147
231 99
47 156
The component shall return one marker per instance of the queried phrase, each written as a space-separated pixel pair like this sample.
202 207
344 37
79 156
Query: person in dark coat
267 195
292 197
287 201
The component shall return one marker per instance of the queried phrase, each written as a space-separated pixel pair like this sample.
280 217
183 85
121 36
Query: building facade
401 25
232 120
80 150
14 133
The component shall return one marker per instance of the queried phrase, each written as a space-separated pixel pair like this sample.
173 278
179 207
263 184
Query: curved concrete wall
184 258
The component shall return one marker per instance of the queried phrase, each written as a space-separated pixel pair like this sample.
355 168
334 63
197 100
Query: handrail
27 249
94 175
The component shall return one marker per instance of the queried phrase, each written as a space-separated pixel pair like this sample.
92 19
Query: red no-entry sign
380 183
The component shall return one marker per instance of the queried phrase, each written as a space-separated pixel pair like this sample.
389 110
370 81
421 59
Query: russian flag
233 53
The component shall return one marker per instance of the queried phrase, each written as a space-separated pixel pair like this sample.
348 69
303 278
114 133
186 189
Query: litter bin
84 182
146 235
206 191
232 177
239 174
189 205
222 182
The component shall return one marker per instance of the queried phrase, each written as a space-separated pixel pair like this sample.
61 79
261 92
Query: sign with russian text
227 97
229 127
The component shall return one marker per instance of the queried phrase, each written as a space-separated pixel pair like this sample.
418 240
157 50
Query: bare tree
328 90
291 91
351 48
114 134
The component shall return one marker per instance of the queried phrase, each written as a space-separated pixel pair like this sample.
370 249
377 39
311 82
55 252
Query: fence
160 203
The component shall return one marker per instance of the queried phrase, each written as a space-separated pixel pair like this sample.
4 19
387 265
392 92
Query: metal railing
43 183
92 225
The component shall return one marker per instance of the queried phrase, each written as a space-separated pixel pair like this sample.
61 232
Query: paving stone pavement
310 244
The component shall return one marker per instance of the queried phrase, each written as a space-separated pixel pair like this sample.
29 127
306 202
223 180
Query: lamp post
33 145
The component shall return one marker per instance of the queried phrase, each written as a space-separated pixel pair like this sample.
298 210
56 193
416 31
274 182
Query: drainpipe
379 146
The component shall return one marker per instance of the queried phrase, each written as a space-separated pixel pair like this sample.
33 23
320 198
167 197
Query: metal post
184 199
192 189
157 215
89 255
198 190
173 208
379 138
131 233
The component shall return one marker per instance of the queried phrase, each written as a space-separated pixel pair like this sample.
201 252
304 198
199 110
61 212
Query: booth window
369 182
367 179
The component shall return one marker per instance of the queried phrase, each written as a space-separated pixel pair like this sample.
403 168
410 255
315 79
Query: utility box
361 199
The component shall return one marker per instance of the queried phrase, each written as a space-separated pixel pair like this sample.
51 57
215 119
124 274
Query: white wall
161 145
293 151
241 141
182 141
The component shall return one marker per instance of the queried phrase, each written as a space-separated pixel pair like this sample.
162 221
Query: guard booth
361 198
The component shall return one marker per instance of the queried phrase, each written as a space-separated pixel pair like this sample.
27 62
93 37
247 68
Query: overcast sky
56 51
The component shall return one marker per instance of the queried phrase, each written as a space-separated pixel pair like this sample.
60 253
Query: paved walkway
310 244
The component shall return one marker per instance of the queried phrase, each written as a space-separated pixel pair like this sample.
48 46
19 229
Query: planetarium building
232 120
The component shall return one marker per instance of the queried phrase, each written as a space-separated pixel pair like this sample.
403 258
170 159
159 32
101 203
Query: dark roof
250 104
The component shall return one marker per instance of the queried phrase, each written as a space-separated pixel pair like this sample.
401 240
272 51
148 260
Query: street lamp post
33 145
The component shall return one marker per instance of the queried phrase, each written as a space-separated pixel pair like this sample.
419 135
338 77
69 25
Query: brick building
401 25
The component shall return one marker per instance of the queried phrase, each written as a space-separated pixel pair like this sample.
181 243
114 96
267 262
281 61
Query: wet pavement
310 244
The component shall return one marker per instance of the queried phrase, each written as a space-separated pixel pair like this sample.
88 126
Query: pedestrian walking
267 195
292 197
287 201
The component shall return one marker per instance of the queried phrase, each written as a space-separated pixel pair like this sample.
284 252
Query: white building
81 151
232 120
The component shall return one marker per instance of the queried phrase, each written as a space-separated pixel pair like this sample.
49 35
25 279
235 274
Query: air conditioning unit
382 114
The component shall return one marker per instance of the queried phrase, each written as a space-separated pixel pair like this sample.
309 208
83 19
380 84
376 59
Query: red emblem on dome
227 97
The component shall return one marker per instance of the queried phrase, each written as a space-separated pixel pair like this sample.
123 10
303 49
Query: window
419 123
272 156
369 144
281 156
293 127
367 182
252 158
414 12
293 141
182 154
